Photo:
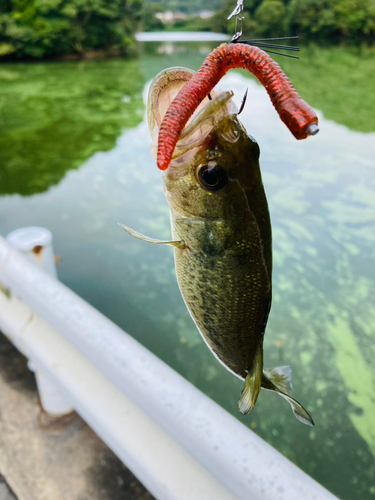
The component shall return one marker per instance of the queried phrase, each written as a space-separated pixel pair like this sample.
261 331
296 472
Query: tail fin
280 380
253 382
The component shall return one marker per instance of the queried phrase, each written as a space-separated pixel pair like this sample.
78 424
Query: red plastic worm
294 111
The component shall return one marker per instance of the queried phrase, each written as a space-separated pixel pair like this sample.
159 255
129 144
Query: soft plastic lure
297 115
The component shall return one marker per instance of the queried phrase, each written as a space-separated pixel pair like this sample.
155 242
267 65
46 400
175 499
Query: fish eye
212 177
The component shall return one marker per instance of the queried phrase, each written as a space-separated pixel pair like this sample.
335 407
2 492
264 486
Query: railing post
53 401
36 244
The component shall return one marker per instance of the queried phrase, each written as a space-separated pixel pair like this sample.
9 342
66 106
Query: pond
74 157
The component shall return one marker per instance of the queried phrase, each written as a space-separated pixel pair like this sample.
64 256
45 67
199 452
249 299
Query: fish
221 234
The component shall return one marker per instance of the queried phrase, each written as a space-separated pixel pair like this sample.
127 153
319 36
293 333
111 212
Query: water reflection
56 115
322 195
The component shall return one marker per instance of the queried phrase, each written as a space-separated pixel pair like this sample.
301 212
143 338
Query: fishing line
258 42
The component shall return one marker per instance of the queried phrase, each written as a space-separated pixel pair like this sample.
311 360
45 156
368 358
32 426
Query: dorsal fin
281 376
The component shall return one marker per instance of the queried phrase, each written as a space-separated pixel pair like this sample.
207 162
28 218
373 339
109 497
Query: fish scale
230 329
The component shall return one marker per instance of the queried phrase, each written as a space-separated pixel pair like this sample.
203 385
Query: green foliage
54 116
310 18
269 16
337 17
149 21
37 28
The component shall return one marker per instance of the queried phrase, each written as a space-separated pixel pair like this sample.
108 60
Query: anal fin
253 382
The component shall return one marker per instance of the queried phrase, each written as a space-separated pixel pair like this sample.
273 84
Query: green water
74 158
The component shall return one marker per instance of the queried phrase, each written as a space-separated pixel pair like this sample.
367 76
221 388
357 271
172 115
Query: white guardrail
179 443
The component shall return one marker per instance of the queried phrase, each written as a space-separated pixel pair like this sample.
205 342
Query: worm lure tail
297 115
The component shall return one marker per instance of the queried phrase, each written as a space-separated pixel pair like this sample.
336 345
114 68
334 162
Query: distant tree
37 28
219 22
149 20
269 17
325 19
328 18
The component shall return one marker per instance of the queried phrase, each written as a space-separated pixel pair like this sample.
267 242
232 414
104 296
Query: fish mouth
164 88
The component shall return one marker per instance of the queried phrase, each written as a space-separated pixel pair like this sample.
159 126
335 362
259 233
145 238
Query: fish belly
228 297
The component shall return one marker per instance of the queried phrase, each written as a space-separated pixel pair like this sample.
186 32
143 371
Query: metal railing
178 442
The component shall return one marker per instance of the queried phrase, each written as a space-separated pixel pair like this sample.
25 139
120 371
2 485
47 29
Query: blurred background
74 158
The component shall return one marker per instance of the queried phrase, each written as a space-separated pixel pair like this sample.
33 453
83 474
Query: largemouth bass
221 233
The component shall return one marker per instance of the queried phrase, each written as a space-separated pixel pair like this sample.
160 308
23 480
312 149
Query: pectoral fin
280 380
178 244
253 382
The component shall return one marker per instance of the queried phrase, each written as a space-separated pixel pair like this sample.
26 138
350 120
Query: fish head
215 164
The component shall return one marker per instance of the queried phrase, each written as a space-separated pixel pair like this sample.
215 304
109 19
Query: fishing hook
243 103
238 12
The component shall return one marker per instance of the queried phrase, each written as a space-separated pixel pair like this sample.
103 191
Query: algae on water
54 116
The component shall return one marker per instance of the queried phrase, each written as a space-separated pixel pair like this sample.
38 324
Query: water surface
75 159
